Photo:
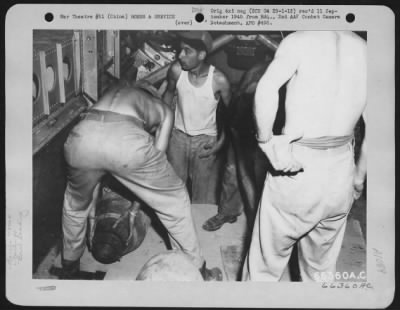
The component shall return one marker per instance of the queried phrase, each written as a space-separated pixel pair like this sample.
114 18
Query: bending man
116 137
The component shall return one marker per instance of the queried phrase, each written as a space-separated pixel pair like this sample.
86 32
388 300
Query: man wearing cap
126 134
196 140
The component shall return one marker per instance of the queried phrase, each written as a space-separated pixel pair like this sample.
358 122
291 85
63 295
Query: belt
111 117
191 136
326 142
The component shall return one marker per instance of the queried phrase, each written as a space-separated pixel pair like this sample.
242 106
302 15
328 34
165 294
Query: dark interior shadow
294 269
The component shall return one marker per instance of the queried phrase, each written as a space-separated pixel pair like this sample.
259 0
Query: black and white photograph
203 194
180 155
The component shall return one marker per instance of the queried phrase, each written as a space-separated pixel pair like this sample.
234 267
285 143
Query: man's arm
164 130
172 78
223 88
361 167
282 68
266 98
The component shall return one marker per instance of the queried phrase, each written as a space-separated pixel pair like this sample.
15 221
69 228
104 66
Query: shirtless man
308 197
116 137
196 140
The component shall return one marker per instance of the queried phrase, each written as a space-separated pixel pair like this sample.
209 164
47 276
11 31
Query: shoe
70 270
216 222
214 274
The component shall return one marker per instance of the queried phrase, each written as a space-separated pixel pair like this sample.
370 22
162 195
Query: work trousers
310 207
204 173
122 148
230 203
243 177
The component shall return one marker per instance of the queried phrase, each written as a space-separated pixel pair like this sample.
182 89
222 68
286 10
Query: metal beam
272 44
60 73
161 73
90 68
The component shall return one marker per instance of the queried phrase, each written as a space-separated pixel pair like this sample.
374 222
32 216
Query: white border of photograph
21 289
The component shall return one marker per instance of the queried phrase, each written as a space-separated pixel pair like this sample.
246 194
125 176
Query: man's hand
358 184
213 148
161 90
278 151
360 172
208 150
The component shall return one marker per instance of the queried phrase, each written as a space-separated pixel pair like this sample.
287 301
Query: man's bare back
327 94
134 101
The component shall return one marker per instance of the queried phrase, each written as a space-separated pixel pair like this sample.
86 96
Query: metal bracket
90 69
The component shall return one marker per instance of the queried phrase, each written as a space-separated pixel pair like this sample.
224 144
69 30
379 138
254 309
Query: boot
216 222
213 274
70 270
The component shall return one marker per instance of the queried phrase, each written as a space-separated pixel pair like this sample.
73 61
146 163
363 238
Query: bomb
173 265
119 227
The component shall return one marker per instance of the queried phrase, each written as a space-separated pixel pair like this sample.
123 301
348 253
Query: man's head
195 46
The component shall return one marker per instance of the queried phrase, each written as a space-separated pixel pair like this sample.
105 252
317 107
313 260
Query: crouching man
126 134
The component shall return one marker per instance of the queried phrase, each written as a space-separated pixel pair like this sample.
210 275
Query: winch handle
135 206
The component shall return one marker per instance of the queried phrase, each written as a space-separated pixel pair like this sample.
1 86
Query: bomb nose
107 248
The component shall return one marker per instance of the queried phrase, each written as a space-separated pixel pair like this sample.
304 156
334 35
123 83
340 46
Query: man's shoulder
175 70
296 44
219 77
297 37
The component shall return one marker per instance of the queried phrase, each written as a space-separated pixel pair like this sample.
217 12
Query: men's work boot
70 269
214 274
216 222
